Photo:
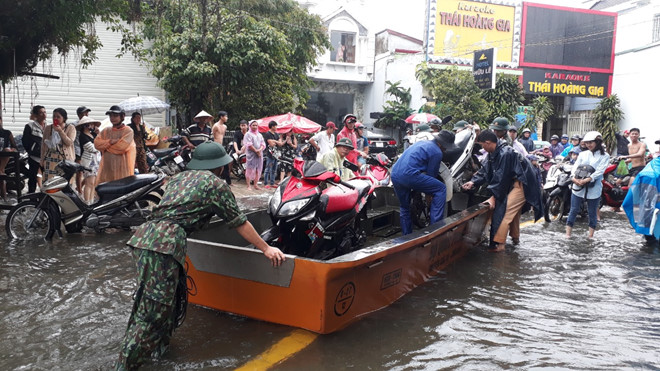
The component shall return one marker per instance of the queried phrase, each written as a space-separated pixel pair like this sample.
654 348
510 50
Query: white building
637 45
108 81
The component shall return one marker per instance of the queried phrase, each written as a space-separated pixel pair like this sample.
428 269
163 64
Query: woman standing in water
591 186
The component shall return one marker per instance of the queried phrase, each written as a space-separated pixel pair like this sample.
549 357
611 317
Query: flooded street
549 303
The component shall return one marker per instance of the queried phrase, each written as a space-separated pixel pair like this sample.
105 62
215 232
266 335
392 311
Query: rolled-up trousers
403 187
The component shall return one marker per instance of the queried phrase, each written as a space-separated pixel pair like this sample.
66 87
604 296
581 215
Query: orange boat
325 296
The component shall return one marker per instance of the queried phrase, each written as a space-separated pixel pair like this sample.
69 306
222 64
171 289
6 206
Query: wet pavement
549 303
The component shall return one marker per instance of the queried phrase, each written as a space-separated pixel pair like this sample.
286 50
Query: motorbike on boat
317 215
557 191
122 203
377 169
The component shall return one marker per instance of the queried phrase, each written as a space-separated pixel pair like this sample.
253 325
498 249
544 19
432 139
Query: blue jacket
642 202
422 157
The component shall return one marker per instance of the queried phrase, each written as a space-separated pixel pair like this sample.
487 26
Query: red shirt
350 134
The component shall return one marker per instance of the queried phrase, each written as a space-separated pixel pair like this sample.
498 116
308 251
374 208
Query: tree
395 111
607 115
249 58
540 112
33 30
455 93
503 101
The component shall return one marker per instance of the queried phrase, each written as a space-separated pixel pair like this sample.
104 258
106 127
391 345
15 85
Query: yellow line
530 222
285 348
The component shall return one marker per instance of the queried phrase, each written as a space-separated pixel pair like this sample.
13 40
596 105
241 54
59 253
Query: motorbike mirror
446 119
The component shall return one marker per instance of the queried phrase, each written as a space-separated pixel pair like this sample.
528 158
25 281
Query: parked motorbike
123 203
613 193
170 160
317 215
557 189
238 161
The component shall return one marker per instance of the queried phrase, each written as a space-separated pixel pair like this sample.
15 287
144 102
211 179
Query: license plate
379 144
178 159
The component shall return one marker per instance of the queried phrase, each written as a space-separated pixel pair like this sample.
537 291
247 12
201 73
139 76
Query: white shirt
599 162
326 143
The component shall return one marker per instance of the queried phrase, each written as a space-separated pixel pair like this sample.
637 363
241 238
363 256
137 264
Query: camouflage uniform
159 246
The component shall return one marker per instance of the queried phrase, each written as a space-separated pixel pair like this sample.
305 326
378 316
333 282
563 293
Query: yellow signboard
461 27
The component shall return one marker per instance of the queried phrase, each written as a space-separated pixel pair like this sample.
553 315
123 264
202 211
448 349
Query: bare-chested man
637 154
219 129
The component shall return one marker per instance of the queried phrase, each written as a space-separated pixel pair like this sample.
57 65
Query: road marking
283 349
530 222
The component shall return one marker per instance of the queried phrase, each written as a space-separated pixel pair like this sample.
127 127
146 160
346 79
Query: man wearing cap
417 170
81 111
515 144
527 141
200 132
117 148
362 143
512 182
191 198
219 129
555 147
334 160
423 133
348 131
575 142
324 141
500 126
460 126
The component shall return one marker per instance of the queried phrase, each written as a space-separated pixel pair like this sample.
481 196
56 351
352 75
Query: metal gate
580 122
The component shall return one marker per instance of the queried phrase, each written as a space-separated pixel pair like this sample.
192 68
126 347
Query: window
656 28
343 46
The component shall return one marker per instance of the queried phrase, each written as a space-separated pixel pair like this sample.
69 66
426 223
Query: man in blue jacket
417 170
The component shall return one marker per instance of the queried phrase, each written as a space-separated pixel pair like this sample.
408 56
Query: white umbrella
146 105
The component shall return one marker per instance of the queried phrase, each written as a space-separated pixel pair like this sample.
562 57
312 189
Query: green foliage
503 101
395 111
454 92
540 112
607 115
246 57
33 30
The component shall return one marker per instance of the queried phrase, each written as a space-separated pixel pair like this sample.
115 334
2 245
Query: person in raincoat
642 203
117 148
513 183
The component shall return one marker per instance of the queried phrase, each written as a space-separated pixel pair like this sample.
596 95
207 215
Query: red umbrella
419 118
288 122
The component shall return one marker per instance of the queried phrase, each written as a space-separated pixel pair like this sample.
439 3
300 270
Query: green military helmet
500 123
345 142
460 125
208 156
423 127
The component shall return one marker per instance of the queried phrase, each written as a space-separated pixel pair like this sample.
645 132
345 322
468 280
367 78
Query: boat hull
324 296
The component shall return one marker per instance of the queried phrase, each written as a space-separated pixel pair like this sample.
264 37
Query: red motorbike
377 169
317 215
613 193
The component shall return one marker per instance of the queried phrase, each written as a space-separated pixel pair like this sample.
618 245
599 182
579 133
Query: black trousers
226 174
32 175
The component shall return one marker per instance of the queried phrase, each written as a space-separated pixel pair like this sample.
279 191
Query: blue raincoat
642 203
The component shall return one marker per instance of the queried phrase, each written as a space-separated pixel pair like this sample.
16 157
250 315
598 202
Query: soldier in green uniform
159 247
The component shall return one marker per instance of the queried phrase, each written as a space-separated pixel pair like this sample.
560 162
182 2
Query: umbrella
146 105
419 118
290 121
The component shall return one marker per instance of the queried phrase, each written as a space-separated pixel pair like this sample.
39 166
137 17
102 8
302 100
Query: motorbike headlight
274 202
292 207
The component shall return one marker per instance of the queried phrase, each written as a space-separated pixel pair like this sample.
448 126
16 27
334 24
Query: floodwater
549 303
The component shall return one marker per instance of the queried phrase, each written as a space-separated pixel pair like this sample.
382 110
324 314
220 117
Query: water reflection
549 303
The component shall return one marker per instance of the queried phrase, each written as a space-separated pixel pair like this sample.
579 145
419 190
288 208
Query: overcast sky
405 16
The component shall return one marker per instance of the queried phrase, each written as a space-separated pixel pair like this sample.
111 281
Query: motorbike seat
125 185
160 153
